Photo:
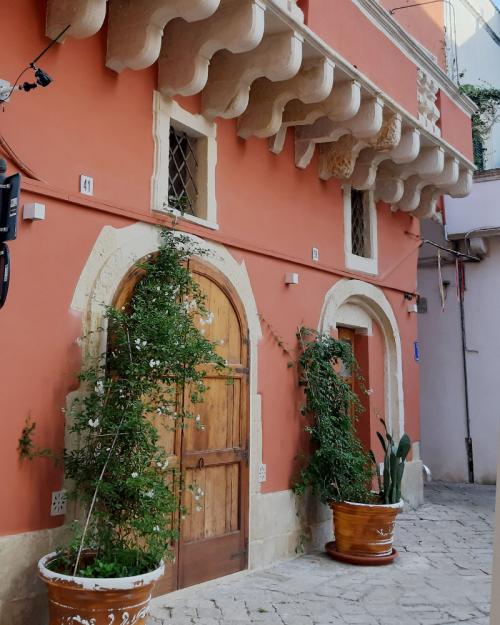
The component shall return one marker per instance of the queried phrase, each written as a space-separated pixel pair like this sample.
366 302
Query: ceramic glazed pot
119 601
365 530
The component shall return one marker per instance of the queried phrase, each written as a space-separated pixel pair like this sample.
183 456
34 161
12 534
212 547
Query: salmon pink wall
270 213
90 120
423 23
366 47
456 126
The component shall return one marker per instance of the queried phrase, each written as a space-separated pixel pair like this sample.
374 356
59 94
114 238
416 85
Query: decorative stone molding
237 26
389 135
85 16
364 264
278 57
135 28
365 172
464 184
115 252
415 185
428 112
168 112
390 186
337 159
255 59
263 116
366 124
372 300
342 104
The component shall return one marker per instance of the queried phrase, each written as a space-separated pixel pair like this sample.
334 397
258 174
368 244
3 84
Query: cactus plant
394 465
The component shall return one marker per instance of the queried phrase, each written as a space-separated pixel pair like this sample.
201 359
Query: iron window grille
182 172
359 234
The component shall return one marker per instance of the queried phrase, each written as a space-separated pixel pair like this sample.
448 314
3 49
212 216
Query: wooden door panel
214 531
221 325
212 558
214 512
219 414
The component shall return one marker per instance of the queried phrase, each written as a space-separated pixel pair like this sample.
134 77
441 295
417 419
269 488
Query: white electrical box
34 212
291 278
86 185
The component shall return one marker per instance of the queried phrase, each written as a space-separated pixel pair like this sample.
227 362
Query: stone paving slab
442 577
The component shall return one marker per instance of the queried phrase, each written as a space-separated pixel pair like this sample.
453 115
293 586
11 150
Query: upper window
360 230
183 172
186 156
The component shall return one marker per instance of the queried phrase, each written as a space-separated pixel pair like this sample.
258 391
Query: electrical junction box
291 278
34 212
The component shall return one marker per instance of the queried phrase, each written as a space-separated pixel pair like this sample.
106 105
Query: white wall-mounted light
34 212
291 278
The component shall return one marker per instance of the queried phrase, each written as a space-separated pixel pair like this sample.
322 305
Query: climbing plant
338 468
120 471
487 99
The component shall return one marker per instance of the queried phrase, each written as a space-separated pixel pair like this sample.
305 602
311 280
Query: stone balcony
256 61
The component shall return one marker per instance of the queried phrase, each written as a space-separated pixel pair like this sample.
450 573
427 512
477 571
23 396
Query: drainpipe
468 440
460 260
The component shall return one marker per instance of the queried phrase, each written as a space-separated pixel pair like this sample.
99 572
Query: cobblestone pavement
442 577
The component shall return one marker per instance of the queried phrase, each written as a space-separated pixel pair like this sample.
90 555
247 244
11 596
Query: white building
460 336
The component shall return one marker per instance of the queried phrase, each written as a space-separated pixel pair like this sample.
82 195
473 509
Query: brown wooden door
214 461
347 335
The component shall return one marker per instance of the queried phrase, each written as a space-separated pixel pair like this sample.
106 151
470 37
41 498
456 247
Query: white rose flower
134 474
150 494
93 423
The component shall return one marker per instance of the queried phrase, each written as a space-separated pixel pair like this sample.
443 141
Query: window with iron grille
182 172
359 231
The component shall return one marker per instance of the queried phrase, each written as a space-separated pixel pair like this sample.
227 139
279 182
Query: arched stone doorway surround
358 305
274 529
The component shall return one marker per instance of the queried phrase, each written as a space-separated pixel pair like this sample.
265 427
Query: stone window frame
363 264
167 113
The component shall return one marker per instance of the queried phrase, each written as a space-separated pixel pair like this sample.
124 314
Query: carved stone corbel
85 16
136 28
415 185
464 184
277 57
337 160
428 201
342 104
263 116
389 188
237 26
365 172
366 124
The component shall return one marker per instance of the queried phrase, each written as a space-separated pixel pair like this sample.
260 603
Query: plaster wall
478 43
481 209
442 379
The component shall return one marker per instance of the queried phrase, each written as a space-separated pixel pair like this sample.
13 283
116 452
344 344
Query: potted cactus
338 470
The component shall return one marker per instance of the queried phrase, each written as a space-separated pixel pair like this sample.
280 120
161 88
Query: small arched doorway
214 533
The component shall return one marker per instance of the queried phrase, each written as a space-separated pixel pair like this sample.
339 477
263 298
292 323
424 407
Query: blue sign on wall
416 351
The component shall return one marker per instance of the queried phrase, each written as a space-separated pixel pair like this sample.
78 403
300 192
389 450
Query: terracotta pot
365 530
118 601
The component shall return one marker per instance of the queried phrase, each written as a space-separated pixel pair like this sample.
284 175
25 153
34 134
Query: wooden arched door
214 532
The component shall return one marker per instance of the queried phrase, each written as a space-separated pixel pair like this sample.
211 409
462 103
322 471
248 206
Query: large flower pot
86 601
364 532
